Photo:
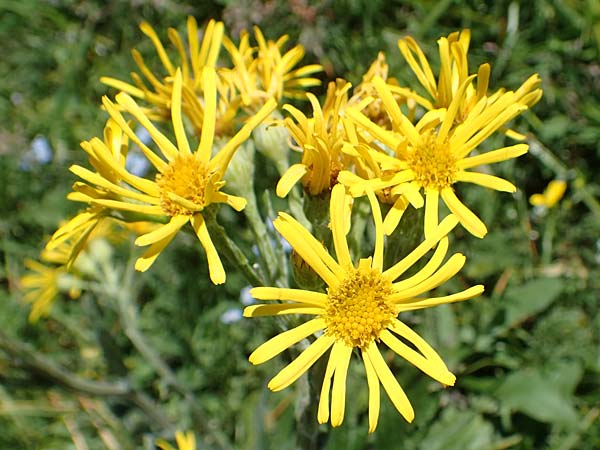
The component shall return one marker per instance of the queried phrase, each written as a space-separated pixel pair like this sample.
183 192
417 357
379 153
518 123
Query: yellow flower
191 64
269 74
186 182
185 441
373 109
551 195
454 71
358 311
47 278
433 155
78 229
320 138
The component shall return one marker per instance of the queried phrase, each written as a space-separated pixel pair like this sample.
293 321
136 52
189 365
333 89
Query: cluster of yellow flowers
394 146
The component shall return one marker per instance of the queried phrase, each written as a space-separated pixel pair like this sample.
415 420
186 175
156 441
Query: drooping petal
390 384
289 179
163 231
374 395
443 375
215 266
301 364
338 392
323 411
467 218
147 259
431 211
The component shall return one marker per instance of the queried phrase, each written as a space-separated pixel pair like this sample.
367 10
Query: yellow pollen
187 177
432 163
358 309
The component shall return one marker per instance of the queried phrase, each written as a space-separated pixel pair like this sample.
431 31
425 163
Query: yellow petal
441 374
434 301
338 392
182 142
486 180
297 295
323 411
442 230
163 231
338 214
147 259
431 211
301 364
390 384
374 395
215 266
280 310
289 179
501 154
467 218
427 270
444 273
285 340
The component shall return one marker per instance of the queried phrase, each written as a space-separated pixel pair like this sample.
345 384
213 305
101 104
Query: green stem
25 356
548 238
259 230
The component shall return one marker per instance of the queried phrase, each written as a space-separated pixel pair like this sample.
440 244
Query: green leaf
459 430
529 299
544 395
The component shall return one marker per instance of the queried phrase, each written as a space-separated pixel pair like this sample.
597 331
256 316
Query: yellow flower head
358 310
186 182
263 73
433 155
551 196
361 96
77 230
320 139
41 285
453 73
185 441
157 89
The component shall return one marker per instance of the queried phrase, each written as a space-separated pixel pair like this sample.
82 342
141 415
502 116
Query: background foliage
525 354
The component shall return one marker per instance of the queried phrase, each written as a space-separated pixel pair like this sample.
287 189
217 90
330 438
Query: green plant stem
119 291
307 437
259 230
229 248
548 238
27 357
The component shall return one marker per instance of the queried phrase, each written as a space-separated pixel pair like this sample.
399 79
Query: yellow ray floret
358 310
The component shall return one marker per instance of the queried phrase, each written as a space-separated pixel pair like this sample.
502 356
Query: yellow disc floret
186 177
432 163
358 309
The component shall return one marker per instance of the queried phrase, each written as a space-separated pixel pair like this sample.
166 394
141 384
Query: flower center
183 186
432 163
357 309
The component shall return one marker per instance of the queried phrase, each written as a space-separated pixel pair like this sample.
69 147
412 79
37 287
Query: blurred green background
526 354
